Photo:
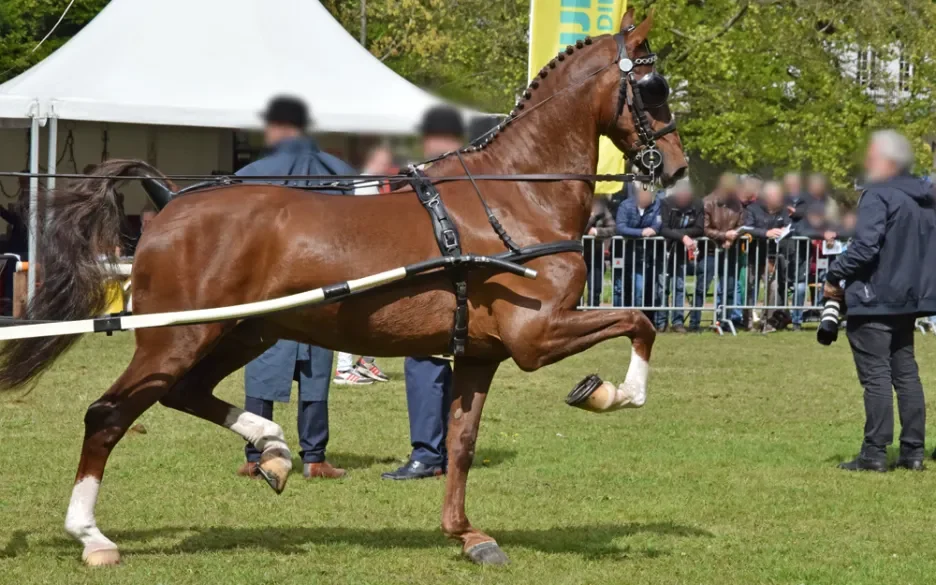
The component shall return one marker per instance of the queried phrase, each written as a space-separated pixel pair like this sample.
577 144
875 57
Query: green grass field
726 476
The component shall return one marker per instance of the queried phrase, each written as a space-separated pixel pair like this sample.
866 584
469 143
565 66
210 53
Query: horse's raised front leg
471 381
570 332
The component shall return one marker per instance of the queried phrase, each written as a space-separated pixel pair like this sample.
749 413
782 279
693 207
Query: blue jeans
428 394
671 293
594 261
704 276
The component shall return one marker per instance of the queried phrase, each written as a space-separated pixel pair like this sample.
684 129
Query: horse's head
635 114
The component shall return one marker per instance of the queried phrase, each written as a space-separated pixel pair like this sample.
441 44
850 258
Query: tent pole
51 164
33 204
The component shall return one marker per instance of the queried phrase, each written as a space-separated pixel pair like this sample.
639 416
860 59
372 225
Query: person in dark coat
600 226
681 222
766 221
886 281
429 379
269 378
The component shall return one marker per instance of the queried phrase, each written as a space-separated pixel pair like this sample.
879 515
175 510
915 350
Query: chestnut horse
241 243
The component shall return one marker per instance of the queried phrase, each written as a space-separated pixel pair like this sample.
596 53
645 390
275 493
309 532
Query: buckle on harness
449 239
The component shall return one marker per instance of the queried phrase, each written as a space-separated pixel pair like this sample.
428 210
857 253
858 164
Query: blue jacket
888 266
631 223
298 156
270 376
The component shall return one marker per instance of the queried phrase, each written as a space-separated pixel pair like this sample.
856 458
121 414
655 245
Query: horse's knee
101 415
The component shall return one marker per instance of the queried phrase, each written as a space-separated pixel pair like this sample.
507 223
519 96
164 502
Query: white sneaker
350 378
370 370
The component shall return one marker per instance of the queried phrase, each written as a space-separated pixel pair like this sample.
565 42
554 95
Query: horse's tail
83 228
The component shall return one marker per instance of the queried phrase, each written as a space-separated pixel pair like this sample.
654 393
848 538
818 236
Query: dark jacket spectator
601 219
681 217
816 193
885 266
614 203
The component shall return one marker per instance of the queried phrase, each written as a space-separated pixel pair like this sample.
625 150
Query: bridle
649 91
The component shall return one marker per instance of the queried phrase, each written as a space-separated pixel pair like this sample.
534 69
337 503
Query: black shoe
862 464
913 464
414 470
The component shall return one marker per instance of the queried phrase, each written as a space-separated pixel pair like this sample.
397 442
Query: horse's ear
627 20
639 35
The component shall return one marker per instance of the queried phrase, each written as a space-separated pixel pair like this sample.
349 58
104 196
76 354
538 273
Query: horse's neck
558 135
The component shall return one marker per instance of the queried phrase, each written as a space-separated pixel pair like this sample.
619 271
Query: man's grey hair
681 186
895 147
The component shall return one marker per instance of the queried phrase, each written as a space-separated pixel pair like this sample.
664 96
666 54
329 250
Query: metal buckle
449 239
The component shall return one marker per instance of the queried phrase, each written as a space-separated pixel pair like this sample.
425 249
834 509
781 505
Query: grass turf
726 476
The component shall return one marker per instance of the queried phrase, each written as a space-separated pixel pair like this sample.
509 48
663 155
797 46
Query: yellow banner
557 23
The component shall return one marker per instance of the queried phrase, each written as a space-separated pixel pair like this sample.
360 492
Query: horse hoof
592 394
275 468
102 557
487 553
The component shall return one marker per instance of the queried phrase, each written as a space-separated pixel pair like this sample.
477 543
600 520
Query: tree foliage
24 23
771 82
472 51
759 83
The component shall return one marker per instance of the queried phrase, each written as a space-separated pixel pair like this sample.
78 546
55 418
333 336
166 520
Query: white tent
215 63
208 63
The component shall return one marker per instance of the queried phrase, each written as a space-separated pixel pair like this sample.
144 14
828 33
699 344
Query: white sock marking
264 434
79 520
634 387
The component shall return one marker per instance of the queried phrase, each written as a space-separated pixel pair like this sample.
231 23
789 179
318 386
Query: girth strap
446 234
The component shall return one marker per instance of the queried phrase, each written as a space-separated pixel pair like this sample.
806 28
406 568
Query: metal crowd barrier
672 282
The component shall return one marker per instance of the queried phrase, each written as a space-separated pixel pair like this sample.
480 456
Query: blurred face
792 184
815 219
817 186
878 168
438 144
773 197
644 198
750 189
683 197
273 134
380 162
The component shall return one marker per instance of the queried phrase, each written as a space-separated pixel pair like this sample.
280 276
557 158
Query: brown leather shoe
324 470
248 469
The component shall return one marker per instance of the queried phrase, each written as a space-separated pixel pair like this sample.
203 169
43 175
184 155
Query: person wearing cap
269 377
429 379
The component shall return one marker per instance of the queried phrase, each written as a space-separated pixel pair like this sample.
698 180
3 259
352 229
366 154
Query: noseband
649 91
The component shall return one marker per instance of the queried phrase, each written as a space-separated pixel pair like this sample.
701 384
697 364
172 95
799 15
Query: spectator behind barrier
793 190
749 190
600 225
766 222
817 191
723 213
638 217
681 222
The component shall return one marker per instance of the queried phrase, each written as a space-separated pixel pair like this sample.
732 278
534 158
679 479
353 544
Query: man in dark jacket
888 283
681 222
269 377
723 214
429 378
766 219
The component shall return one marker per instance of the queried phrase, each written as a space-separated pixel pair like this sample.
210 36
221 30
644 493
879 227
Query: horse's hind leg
471 381
161 358
193 395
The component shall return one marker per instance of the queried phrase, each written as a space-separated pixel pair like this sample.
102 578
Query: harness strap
446 234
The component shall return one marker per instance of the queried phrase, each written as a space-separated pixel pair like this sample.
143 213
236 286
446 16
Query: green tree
24 23
472 51
772 82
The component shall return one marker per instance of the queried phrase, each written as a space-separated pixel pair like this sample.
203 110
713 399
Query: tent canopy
215 63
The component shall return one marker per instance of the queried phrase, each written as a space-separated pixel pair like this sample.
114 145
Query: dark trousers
594 262
883 351
428 394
